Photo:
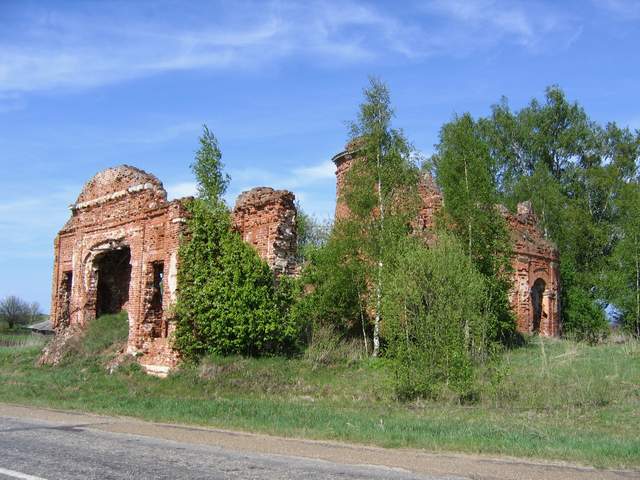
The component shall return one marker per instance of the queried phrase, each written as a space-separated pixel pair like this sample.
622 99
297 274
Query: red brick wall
266 219
121 207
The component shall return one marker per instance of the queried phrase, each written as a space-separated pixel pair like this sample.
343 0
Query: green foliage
585 319
345 274
437 319
466 173
573 170
228 302
208 169
380 191
623 275
337 281
552 133
311 233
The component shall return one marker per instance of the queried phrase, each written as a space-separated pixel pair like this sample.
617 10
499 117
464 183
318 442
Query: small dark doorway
65 296
536 302
114 274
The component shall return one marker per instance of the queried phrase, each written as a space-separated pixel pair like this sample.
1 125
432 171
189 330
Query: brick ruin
266 219
535 295
119 251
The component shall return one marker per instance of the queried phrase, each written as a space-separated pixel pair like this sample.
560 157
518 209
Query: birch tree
380 192
623 278
466 173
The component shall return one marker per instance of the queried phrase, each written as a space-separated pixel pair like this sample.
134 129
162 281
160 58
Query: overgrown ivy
228 301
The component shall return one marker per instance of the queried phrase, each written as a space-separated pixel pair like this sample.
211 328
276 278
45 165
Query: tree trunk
376 325
637 291
466 181
364 329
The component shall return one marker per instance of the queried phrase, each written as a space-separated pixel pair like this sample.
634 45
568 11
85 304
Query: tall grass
21 340
581 405
559 375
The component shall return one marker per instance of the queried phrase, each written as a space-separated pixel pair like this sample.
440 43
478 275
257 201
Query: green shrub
337 297
228 302
437 320
584 319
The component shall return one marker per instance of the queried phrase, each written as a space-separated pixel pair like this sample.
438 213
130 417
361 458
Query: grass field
552 399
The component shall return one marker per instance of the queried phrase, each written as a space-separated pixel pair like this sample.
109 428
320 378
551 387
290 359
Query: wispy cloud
29 224
308 183
484 23
44 49
320 172
623 9
76 49
181 189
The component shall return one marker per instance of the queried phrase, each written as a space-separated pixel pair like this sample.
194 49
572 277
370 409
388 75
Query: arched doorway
113 270
537 292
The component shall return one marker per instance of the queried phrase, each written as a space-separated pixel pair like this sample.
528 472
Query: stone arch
107 272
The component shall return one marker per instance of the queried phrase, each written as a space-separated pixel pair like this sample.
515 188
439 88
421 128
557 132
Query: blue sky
88 85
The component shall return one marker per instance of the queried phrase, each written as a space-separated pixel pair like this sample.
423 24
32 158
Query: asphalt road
37 444
33 450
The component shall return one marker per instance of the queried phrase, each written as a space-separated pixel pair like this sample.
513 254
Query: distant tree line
15 311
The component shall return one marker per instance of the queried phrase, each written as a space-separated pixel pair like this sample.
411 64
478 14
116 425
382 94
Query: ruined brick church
534 297
119 251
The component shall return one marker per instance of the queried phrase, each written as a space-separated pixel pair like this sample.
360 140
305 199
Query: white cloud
321 171
624 9
80 48
311 186
486 23
181 189
29 224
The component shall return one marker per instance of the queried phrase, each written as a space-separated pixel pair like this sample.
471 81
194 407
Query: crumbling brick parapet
266 219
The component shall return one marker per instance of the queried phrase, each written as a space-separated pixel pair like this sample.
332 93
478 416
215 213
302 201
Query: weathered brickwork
534 298
119 251
266 219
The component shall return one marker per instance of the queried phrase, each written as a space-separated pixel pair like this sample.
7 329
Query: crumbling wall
431 202
121 208
535 259
119 250
266 219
